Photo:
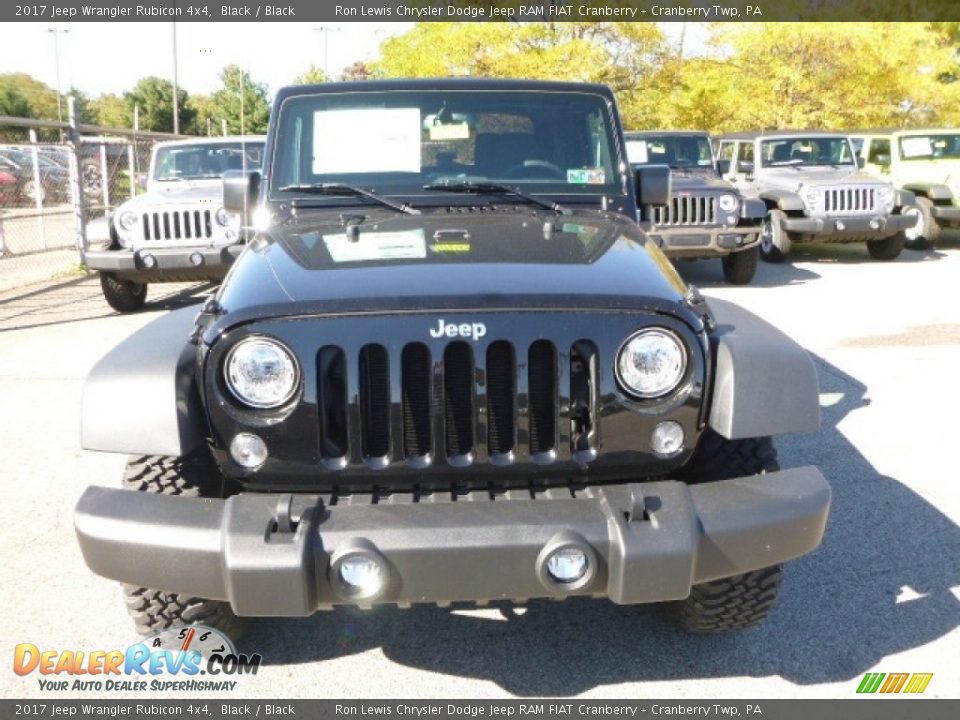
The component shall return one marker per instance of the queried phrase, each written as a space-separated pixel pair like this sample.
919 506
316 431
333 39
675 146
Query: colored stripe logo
913 683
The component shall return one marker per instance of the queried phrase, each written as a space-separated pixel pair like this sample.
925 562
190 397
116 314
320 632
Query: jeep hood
793 179
480 258
193 192
698 179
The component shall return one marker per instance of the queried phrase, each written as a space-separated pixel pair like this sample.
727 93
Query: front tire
740 267
153 610
740 601
925 234
774 240
123 295
888 248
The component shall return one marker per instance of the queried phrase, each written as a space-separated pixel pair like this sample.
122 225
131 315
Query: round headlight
261 373
651 363
127 220
727 203
222 217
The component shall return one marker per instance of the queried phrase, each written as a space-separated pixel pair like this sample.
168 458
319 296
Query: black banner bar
534 709
476 10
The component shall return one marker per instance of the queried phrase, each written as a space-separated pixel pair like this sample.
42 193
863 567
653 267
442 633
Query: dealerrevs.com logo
888 683
194 658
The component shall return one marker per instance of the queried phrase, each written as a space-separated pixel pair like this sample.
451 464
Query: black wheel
123 295
925 234
888 248
741 601
740 267
774 240
155 610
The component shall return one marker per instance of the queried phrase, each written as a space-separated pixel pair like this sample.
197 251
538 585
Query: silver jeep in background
178 231
815 191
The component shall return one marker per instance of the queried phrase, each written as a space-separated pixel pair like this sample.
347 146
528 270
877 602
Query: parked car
815 192
707 217
450 367
924 162
178 229
54 180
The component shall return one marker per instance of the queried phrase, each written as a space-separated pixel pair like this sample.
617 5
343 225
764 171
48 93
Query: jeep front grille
177 225
848 200
690 210
461 403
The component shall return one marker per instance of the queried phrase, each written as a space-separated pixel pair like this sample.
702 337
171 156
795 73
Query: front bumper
271 555
849 229
693 241
165 264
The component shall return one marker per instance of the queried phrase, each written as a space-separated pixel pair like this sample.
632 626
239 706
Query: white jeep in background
178 230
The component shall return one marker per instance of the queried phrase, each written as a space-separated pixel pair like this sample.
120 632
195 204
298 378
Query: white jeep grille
177 225
847 200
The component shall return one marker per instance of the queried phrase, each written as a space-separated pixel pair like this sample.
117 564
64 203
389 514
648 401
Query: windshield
806 151
677 151
206 160
940 146
394 142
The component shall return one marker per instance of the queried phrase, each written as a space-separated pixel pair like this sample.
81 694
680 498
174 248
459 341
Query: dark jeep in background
450 367
707 217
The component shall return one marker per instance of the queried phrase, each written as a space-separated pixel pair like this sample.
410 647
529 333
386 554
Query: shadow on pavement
879 585
80 299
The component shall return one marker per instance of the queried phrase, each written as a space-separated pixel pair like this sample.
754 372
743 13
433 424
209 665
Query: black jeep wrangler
449 367
707 217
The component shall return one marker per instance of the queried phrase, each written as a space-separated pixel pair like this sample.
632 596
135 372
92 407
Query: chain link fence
54 178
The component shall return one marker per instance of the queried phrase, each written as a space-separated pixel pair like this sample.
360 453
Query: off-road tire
929 230
888 248
740 267
123 295
741 601
775 242
155 610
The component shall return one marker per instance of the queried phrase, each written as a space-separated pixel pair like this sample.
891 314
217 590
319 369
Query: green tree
41 97
83 105
242 101
154 97
357 71
13 103
112 111
311 76
206 115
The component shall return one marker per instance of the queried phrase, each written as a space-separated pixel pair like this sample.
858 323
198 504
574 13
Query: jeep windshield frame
681 151
807 151
205 160
406 143
941 146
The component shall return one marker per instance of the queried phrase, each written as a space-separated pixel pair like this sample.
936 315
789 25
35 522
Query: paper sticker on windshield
586 176
451 247
401 245
916 147
454 131
366 140
637 151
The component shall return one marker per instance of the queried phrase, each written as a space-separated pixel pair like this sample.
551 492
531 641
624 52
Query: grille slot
583 398
458 399
415 376
501 391
374 401
687 210
177 225
332 402
542 381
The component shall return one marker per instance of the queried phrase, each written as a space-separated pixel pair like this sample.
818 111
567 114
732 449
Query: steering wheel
528 168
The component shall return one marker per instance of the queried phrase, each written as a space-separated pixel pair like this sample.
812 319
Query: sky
110 57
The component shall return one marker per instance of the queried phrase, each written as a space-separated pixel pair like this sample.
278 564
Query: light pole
56 60
176 101
326 30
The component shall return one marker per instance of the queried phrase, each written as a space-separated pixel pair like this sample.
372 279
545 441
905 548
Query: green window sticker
586 176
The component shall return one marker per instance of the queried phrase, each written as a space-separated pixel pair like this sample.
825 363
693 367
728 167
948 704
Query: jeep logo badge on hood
464 330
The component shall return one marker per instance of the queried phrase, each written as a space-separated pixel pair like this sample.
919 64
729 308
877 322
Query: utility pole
176 100
326 30
56 60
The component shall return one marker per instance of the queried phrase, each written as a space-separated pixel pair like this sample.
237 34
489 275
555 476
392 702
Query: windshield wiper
341 189
498 189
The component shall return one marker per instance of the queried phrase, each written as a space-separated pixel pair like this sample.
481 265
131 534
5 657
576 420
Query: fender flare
753 209
783 199
764 382
933 191
142 396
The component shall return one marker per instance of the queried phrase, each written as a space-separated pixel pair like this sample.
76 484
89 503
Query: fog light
248 450
362 575
567 565
149 261
667 438
196 259
875 224
731 219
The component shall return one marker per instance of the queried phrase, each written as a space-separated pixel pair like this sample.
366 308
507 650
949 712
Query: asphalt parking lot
882 594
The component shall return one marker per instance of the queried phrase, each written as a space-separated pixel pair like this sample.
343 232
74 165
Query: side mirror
880 160
861 162
653 183
723 166
240 191
744 166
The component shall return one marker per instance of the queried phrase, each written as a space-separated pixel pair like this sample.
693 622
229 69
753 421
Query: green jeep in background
925 162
